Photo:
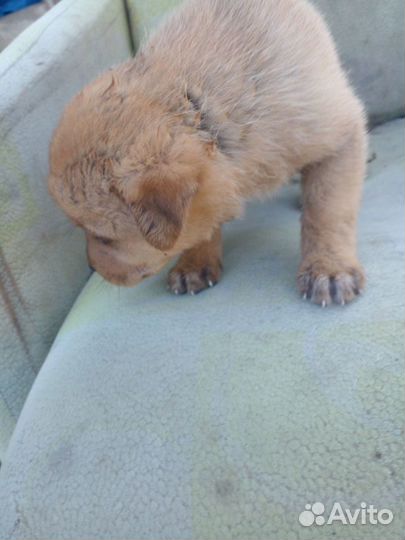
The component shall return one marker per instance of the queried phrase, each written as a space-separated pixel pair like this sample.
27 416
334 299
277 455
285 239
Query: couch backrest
370 38
369 35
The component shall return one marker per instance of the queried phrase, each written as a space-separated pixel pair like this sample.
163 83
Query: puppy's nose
92 268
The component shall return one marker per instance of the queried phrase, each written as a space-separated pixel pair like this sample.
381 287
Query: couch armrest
42 259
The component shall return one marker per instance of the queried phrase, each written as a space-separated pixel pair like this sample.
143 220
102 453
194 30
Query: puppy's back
265 71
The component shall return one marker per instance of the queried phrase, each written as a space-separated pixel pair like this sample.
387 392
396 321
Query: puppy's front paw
186 278
323 286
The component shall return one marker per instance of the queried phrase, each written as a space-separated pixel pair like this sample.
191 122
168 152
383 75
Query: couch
131 413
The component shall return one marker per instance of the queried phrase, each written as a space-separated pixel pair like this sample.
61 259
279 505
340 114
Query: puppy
225 102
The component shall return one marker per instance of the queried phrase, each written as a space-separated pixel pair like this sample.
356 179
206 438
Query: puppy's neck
189 101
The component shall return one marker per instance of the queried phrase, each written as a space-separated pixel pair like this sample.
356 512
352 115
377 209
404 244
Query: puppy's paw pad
324 288
182 280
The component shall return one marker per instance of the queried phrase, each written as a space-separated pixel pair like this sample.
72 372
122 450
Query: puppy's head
134 177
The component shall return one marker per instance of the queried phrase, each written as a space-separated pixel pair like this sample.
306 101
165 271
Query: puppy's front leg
198 268
329 271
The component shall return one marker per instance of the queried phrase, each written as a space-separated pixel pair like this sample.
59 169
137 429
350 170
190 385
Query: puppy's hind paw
185 279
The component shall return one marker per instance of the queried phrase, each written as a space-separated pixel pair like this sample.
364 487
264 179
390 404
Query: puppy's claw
194 280
324 286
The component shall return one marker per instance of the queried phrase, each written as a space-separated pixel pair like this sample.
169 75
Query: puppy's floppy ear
160 209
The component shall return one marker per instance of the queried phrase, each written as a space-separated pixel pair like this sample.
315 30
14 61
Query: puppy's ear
160 210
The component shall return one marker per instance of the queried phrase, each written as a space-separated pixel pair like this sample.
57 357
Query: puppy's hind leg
198 268
329 270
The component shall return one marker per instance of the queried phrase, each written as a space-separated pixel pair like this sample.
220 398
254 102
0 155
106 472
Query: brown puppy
225 102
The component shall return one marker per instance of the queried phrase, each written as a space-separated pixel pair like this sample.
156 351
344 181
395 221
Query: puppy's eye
104 241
